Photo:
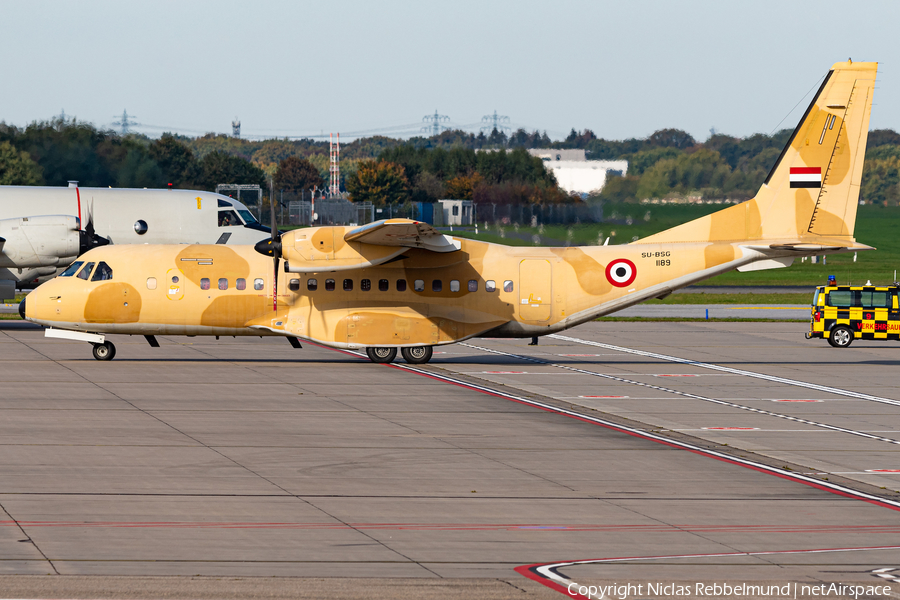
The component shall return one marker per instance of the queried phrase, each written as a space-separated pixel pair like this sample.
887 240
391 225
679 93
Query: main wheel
379 354
418 355
841 337
104 351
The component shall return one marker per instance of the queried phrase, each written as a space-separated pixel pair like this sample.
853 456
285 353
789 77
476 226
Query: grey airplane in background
43 229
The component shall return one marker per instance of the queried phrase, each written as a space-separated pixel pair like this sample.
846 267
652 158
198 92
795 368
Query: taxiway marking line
548 573
658 388
703 365
827 486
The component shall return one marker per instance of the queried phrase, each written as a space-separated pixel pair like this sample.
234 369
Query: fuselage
421 298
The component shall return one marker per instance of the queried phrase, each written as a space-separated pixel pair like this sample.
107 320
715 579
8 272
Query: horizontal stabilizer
810 248
769 263
403 233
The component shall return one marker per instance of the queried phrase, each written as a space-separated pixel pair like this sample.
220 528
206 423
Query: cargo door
535 290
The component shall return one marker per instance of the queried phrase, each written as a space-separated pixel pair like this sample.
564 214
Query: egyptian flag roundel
621 272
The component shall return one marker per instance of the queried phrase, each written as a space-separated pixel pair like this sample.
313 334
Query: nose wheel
104 351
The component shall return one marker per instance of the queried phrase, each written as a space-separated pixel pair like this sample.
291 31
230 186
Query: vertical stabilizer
812 190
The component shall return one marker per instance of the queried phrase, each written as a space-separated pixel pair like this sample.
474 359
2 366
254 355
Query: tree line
483 167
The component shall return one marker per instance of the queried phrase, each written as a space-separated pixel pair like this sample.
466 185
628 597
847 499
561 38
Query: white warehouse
574 173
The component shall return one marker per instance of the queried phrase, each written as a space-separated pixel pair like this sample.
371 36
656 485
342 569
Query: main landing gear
417 355
104 351
381 354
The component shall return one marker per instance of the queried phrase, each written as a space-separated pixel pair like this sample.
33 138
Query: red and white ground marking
548 573
720 368
582 355
603 396
676 375
505 372
573 369
882 470
797 400
730 428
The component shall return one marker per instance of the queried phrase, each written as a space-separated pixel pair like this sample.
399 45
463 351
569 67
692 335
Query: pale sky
623 69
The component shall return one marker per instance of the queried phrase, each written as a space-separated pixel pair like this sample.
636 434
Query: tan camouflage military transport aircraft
399 284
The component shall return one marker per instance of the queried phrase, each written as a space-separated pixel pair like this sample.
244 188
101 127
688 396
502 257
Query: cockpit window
85 273
103 272
228 218
225 203
247 216
73 268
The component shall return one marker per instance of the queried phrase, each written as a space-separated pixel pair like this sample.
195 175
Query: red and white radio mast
335 146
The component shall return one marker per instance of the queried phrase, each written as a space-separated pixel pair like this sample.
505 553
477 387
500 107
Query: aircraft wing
402 233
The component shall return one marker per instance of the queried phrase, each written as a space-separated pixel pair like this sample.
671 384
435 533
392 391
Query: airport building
574 173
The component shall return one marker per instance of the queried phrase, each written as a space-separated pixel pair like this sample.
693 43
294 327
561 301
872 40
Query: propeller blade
273 249
88 238
275 287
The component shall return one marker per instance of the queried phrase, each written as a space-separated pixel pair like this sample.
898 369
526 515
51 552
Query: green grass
875 226
749 298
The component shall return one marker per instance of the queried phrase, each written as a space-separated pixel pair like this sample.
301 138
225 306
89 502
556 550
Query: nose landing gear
104 351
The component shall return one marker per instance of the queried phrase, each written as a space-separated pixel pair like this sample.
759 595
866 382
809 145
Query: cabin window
365 285
473 285
294 285
401 285
204 283
223 284
151 283
348 285
329 285
258 284
490 286
454 285
312 284
175 279
228 218
437 285
419 285
383 285
507 286
241 284
86 271
73 268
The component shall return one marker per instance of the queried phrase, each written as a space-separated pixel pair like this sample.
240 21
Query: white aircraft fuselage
43 229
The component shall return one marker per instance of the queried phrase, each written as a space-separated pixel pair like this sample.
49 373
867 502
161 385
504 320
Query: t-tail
808 201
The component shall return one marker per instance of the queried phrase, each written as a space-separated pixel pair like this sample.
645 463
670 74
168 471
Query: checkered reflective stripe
866 323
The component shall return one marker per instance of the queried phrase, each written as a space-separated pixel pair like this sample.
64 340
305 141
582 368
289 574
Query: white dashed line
702 365
658 388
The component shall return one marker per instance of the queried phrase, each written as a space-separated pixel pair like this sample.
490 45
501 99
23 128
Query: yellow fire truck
843 313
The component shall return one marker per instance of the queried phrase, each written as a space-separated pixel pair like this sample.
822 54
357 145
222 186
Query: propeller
272 247
88 238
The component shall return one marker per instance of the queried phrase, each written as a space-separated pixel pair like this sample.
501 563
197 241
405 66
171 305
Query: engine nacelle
321 249
44 241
